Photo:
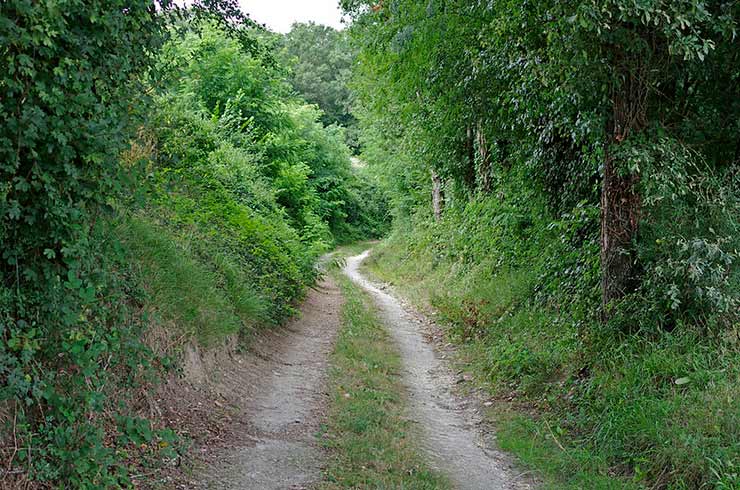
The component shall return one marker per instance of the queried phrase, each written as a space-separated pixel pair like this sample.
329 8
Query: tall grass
206 300
589 406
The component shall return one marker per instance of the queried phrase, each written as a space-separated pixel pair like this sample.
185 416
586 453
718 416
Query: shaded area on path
448 428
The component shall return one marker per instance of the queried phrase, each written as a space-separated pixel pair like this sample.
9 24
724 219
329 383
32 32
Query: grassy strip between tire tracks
370 441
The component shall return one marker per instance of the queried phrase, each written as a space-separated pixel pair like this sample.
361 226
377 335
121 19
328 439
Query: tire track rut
283 404
449 428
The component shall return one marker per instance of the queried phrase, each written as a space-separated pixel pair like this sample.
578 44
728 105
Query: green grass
206 301
585 412
370 441
536 445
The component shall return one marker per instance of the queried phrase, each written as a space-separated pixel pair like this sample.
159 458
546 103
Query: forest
555 184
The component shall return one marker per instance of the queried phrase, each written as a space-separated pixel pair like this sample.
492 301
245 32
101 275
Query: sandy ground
454 436
281 393
278 393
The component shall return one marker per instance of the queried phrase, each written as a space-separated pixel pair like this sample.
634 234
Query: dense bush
205 186
70 75
152 163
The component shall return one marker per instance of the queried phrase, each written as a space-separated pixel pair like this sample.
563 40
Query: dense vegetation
320 68
564 184
565 188
158 173
321 65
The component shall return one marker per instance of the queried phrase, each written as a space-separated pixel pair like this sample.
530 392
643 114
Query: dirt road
282 393
449 426
283 401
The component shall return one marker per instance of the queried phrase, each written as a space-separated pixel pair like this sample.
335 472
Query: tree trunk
484 160
620 199
437 196
469 157
620 209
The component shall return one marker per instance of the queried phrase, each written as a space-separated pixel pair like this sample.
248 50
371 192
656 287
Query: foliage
306 163
546 121
202 185
68 340
187 110
206 301
320 59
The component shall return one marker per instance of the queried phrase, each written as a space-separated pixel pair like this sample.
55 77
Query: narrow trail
284 396
450 435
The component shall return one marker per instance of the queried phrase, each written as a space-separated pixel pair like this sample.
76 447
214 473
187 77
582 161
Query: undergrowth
580 400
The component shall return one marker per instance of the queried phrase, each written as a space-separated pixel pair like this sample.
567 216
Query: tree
321 59
647 47
578 95
72 94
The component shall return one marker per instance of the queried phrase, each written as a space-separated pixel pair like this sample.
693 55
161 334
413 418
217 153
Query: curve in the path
449 435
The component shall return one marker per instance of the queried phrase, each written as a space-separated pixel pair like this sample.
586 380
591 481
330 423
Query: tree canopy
570 171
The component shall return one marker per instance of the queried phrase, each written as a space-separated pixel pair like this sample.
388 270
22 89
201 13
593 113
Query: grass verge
503 365
371 443
626 412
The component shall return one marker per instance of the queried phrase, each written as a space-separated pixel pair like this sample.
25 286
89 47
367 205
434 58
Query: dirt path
449 427
282 391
